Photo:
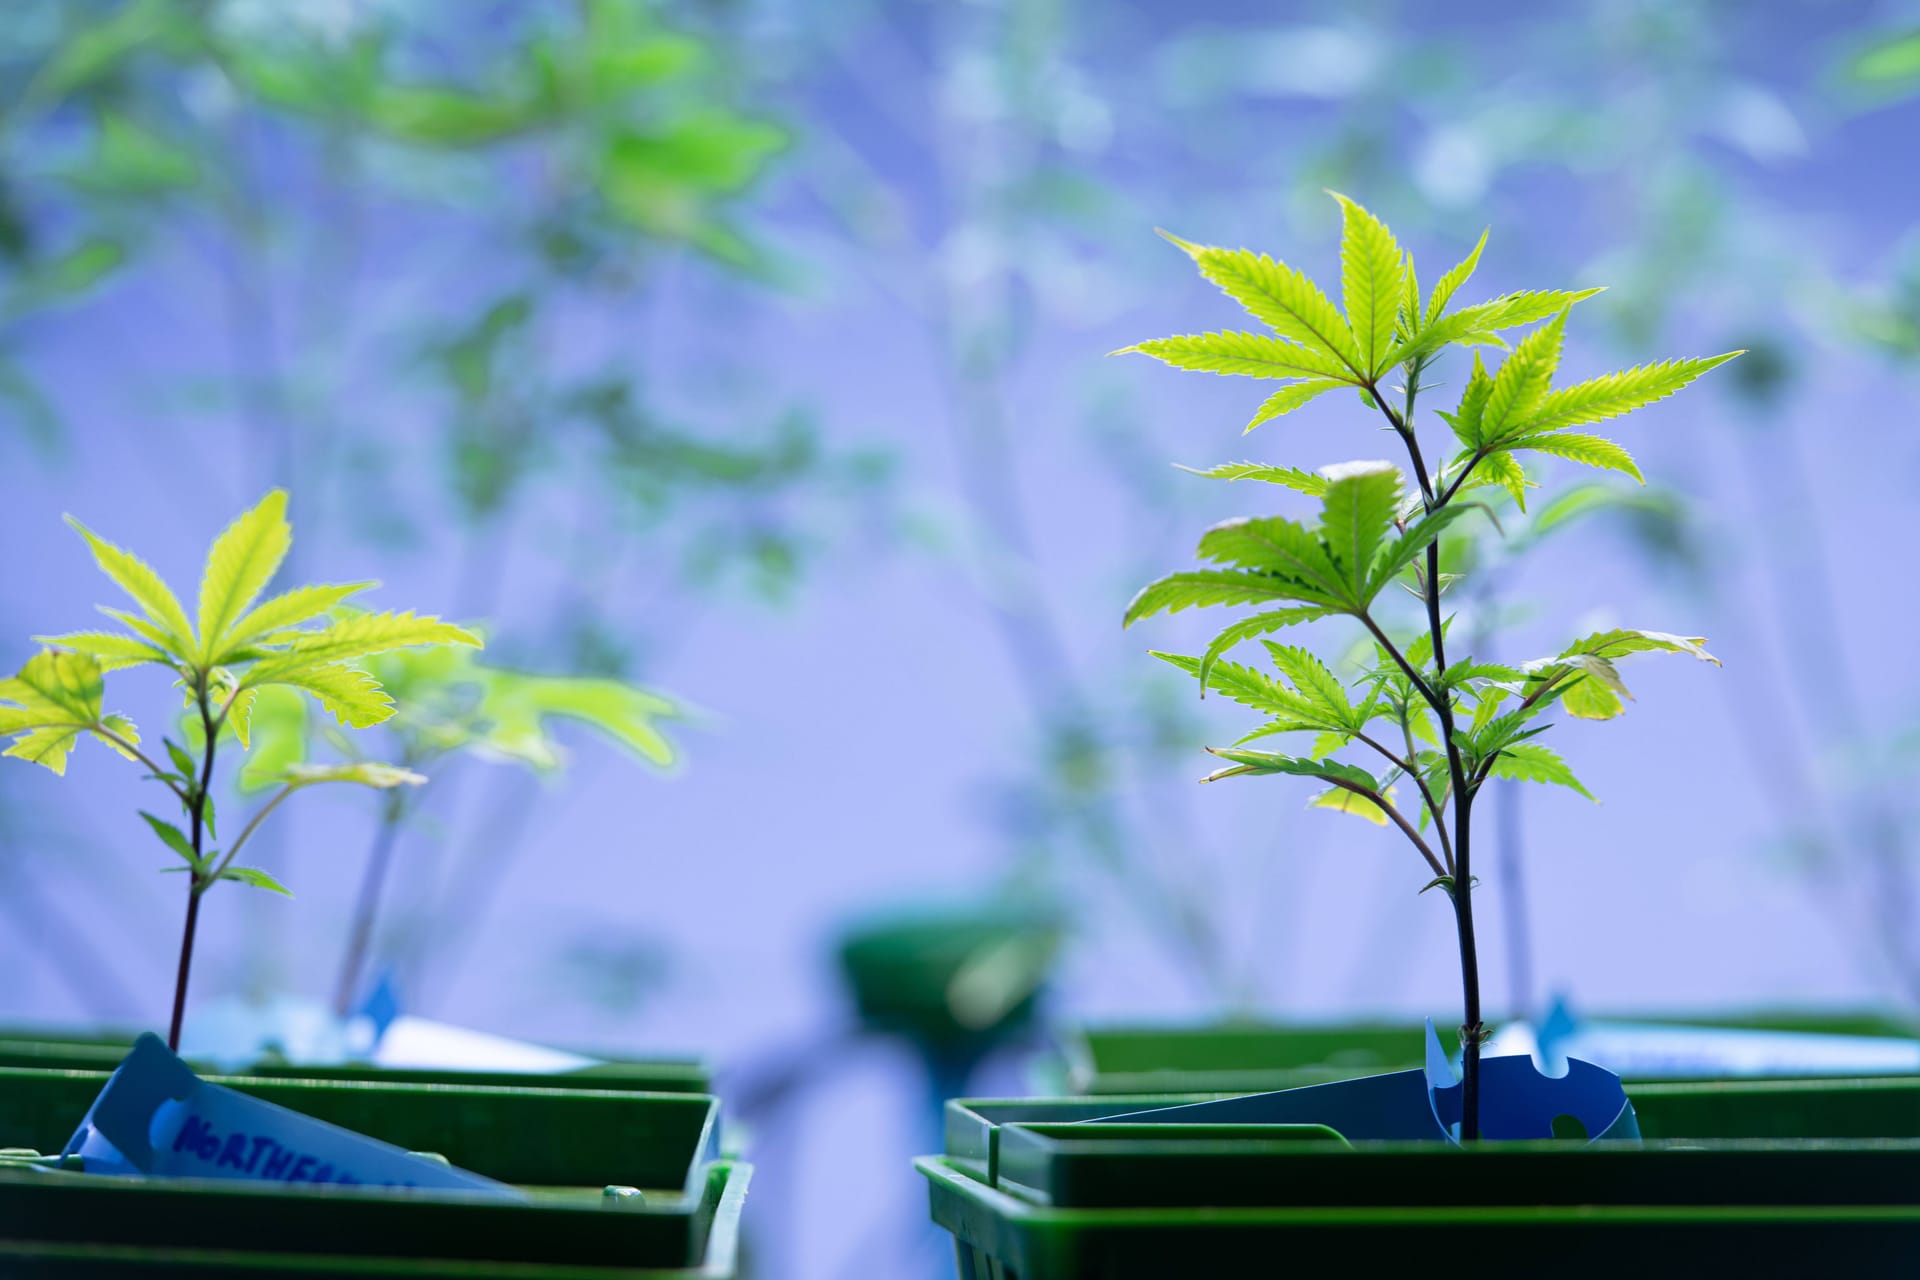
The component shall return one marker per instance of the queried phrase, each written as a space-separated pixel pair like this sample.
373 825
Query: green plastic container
1030 1193
1258 1057
566 1146
1002 1237
103 1053
1758 1142
726 1194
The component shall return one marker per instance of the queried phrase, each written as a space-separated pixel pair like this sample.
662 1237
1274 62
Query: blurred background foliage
642 331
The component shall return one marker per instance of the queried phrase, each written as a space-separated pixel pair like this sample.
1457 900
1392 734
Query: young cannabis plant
221 662
1444 727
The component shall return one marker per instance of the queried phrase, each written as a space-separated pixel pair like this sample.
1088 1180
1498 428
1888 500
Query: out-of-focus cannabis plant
222 661
1443 726
451 705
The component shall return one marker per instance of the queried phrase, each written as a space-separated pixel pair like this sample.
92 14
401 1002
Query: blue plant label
155 1117
1517 1103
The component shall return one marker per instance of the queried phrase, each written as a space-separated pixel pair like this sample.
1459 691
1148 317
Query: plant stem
371 883
194 885
1469 970
1470 1030
186 964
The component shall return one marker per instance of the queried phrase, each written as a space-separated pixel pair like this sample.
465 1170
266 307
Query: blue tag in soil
155 1117
1517 1103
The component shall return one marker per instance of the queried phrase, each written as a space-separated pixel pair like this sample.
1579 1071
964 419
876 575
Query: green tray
726 1194
1259 1057
1160 1166
564 1145
1000 1237
1849 1141
103 1053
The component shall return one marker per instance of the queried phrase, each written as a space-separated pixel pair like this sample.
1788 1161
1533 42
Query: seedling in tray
237 646
1442 726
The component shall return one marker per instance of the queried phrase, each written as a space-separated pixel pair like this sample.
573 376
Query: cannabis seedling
1443 726
221 662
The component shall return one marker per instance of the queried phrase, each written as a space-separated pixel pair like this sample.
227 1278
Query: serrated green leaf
1512 310
1477 325
1594 451
1615 394
1203 587
1532 762
240 716
288 609
146 628
1250 355
53 699
53 681
47 747
1501 733
1449 284
358 636
1258 625
1361 502
1621 641
1597 693
257 878
1373 283
1289 398
1411 315
1250 688
146 588
124 730
1282 724
1467 669
1281 298
1484 712
1246 761
1275 545
1501 468
1321 691
242 560
1308 482
110 649
1325 743
1466 420
353 697
1522 382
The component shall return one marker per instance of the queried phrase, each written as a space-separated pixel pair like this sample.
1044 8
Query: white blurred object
235 1034
422 1043
1654 1051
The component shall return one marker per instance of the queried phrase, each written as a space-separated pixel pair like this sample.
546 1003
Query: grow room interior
732 382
